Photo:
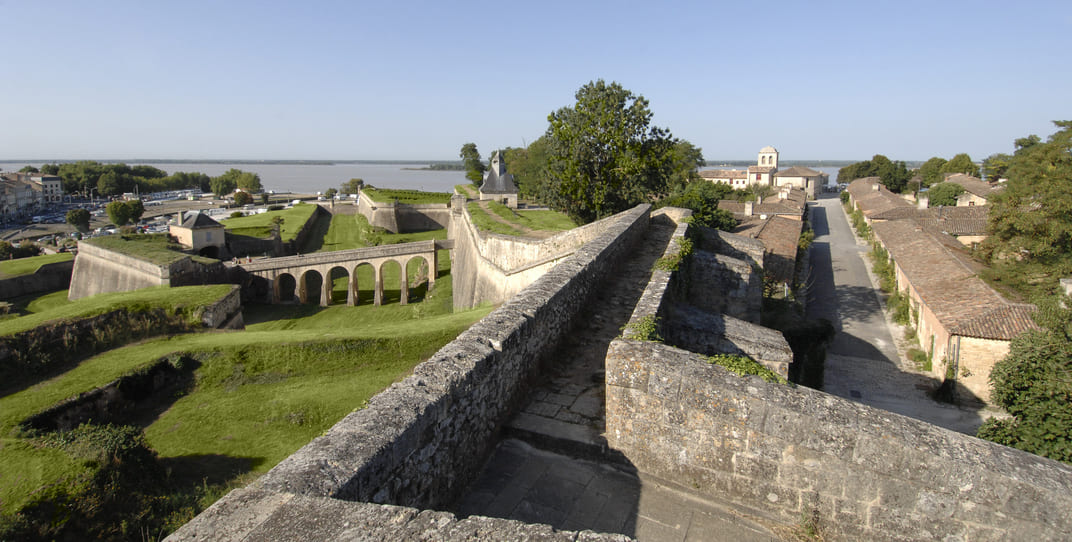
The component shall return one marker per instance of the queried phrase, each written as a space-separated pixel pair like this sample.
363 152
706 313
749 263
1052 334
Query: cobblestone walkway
555 467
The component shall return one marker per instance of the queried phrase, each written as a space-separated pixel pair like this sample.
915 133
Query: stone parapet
422 440
864 473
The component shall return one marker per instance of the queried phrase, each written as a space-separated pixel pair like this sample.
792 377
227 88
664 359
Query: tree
243 198
702 197
604 156
1033 383
330 193
474 166
944 194
235 178
108 184
352 186
79 218
529 168
894 175
995 166
136 208
931 171
961 163
118 212
1030 222
28 169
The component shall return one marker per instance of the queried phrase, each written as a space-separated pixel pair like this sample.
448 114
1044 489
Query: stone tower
768 156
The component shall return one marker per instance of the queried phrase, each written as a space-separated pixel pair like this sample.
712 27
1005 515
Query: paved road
864 363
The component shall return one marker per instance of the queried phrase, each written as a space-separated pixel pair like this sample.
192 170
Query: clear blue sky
415 80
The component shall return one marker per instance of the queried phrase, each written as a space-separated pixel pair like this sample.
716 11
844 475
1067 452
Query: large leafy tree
944 194
1033 383
961 163
118 212
894 175
79 218
1030 222
474 166
931 170
996 166
604 155
352 186
702 197
235 178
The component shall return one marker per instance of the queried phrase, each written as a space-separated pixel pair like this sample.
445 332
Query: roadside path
866 362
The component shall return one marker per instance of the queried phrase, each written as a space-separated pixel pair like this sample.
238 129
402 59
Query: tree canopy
80 177
1030 222
961 163
996 166
944 194
931 170
474 166
702 197
604 156
235 178
79 218
118 212
1033 383
894 175
352 186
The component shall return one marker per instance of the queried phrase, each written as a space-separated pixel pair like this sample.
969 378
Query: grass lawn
546 220
484 222
260 394
467 190
51 308
260 225
151 248
27 266
410 197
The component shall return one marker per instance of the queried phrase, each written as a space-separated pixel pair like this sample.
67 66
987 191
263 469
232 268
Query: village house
200 234
976 190
963 324
872 198
806 179
760 174
776 222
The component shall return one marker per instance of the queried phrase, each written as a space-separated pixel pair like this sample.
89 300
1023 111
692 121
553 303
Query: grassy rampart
28 266
260 225
409 197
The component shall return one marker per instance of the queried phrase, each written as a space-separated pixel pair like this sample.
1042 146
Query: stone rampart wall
491 268
401 217
421 441
47 278
98 271
866 474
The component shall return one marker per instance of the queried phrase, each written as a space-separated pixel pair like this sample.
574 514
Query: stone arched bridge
296 277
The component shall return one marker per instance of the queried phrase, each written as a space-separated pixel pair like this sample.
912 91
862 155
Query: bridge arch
285 288
419 274
311 286
390 273
335 277
363 275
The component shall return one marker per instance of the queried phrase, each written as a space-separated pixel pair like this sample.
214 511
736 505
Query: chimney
748 208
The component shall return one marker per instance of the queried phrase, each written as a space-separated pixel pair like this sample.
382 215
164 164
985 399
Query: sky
363 80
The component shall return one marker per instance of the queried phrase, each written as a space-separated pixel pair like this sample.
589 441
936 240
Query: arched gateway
312 277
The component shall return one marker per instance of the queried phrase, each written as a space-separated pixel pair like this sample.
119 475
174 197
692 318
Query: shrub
744 366
275 208
237 214
844 197
645 328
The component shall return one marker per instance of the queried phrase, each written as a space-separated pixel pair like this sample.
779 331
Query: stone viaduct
296 278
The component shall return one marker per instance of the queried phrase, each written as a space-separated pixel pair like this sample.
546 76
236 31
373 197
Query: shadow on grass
189 471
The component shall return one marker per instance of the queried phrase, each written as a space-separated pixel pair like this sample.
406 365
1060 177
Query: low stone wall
863 473
677 301
252 515
48 278
421 441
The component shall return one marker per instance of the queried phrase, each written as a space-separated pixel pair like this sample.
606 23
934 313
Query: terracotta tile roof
946 280
724 174
1003 323
951 220
972 185
799 171
779 236
760 169
872 197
